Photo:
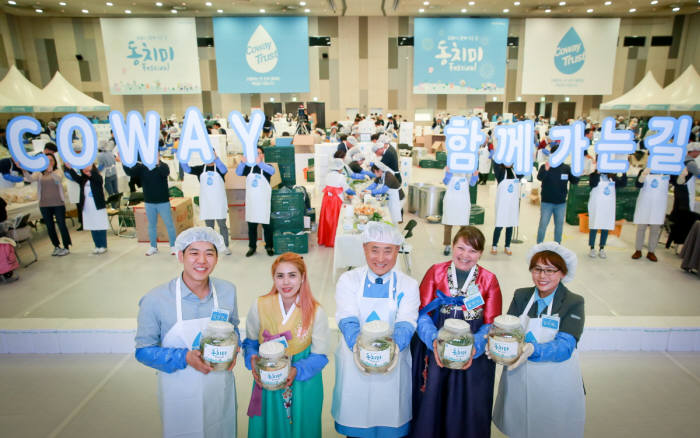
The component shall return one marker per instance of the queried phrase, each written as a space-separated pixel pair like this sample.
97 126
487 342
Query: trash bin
413 196
429 201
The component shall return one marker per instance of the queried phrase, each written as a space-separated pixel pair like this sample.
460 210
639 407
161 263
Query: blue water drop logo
570 54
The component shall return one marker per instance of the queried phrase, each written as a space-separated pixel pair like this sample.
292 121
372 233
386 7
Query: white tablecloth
347 250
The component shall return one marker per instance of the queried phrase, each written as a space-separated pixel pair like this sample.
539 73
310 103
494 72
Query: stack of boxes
287 219
284 157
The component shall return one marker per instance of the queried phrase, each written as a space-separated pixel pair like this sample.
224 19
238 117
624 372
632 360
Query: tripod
302 128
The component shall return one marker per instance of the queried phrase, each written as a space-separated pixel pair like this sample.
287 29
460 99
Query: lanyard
466 282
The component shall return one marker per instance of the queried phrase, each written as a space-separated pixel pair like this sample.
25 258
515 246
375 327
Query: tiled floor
629 394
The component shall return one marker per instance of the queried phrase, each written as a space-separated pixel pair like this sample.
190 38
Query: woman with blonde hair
288 314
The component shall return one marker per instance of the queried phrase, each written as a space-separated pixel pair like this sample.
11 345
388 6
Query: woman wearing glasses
541 394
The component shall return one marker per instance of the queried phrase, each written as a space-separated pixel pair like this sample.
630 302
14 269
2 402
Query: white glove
528 349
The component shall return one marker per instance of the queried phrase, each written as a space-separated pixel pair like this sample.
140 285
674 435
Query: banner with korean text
262 54
151 55
569 56
459 55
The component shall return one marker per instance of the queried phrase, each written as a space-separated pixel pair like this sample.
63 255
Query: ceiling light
562 3
676 9
494 98
128 11
315 99
173 11
307 10
159 4
262 11
62 3
654 2
12 2
472 3
519 98
516 3
426 3
567 98
39 11
272 99
633 10
589 10
607 3
219 11
542 99
294 98
463 11
109 4
208 3
421 10
505 11
547 11
302 3
85 11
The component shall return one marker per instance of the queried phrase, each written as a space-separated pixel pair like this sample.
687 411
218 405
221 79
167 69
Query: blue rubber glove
221 166
350 192
357 176
371 186
12 178
447 178
480 340
240 168
350 328
309 366
427 332
250 348
403 332
368 173
185 167
473 180
546 152
267 168
381 190
557 350
167 360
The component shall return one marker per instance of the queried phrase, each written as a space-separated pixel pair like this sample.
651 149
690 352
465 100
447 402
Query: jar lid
457 326
271 349
507 322
376 329
220 328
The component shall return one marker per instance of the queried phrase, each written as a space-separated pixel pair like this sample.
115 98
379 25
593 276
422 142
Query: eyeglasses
547 271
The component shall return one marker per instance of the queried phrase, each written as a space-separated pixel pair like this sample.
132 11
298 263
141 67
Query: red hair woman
288 314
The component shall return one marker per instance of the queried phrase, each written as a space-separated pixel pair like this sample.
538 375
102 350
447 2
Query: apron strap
178 297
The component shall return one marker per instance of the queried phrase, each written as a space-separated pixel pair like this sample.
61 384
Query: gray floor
629 394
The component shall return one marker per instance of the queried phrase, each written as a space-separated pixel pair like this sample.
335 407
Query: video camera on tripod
302 121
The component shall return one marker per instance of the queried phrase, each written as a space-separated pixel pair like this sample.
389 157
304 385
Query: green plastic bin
290 242
291 220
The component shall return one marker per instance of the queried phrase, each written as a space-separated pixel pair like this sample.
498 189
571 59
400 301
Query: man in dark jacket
388 156
156 201
554 189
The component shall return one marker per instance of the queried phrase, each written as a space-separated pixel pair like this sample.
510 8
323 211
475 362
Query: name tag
282 340
551 322
564 177
471 302
220 315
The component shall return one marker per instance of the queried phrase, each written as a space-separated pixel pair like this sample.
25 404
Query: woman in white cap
333 197
541 395
194 401
377 404
385 182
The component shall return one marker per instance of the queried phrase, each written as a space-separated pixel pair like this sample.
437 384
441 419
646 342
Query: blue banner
459 55
262 54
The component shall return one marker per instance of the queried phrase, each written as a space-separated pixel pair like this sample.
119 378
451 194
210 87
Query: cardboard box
235 196
183 218
233 181
438 146
238 227
304 144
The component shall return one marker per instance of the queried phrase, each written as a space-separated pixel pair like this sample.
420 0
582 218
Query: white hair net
335 164
51 124
381 232
383 167
199 234
376 146
569 257
352 140
693 147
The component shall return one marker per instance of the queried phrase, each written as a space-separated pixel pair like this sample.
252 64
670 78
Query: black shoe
270 251
250 252
80 228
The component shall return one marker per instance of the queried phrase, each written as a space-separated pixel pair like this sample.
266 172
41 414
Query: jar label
375 359
218 354
457 353
504 350
274 378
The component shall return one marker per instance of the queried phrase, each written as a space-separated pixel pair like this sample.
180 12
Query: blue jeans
99 237
547 209
111 184
152 212
603 238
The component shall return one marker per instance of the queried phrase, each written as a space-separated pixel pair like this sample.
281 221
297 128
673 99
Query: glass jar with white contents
454 343
219 345
272 365
375 352
506 337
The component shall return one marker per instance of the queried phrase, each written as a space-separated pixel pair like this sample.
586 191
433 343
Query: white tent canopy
681 95
637 97
70 98
17 94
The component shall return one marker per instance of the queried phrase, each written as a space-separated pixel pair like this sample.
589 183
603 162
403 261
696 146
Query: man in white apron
258 197
387 183
507 205
195 401
456 205
541 395
650 210
601 208
213 203
484 163
369 405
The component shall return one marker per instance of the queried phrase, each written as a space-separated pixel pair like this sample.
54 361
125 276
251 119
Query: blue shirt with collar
543 303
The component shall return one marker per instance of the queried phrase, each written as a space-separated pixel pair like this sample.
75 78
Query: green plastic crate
291 220
432 164
287 199
577 201
290 242
310 175
441 156
284 157
476 215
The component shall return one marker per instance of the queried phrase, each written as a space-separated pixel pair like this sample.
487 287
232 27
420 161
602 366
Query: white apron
651 201
93 219
257 199
601 205
456 205
508 203
213 203
193 404
394 202
73 189
364 401
541 399
484 161
691 193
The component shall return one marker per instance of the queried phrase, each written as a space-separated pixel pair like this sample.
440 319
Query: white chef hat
569 257
389 115
381 232
199 234
383 167
102 145
693 147
336 164
352 140
51 124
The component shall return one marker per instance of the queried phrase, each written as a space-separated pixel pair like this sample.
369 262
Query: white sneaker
152 251
56 251
227 251
63 251
102 250
592 254
96 251
173 251
602 254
